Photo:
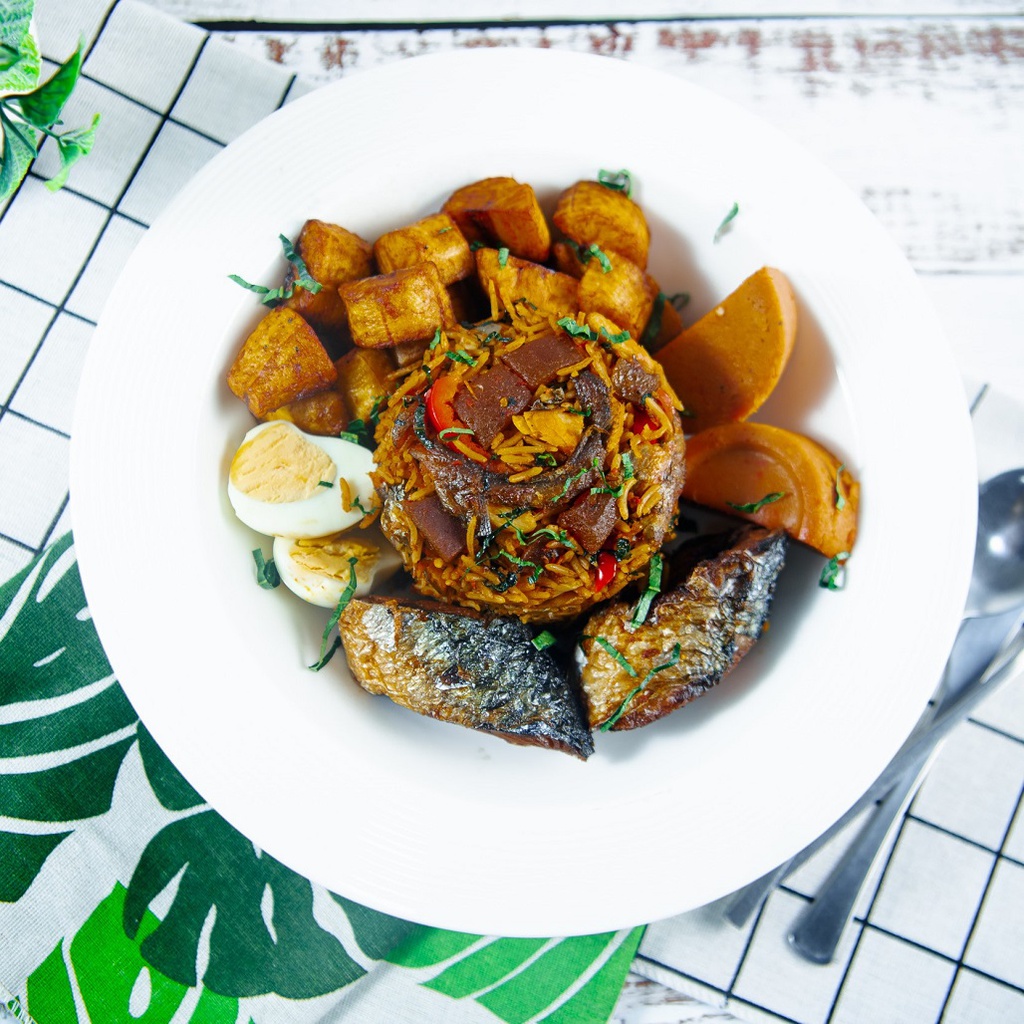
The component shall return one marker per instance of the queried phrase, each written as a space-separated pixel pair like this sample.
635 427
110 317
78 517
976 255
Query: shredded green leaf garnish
673 659
594 251
505 581
833 576
524 564
615 653
575 330
622 549
653 327
449 432
346 596
756 506
444 230
572 479
643 606
726 221
617 181
680 300
615 339
461 357
473 246
303 279
362 431
840 497
347 435
356 503
542 641
628 470
502 256
267 575
436 340
325 483
546 459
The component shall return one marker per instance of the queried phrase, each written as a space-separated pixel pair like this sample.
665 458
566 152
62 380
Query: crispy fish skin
463 667
715 613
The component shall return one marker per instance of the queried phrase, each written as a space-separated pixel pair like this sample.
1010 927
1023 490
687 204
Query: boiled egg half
320 570
284 482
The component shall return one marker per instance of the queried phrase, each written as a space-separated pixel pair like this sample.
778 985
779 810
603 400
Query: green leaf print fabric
125 897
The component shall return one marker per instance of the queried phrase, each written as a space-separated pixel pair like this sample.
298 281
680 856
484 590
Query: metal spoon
994 602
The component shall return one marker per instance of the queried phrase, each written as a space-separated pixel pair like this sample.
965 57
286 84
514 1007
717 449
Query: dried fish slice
692 636
462 667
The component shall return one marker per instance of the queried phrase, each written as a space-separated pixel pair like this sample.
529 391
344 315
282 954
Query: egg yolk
279 465
329 556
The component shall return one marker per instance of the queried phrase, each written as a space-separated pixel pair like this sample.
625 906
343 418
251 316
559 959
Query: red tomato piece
606 566
440 403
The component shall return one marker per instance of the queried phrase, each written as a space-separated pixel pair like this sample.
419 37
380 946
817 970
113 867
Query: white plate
433 822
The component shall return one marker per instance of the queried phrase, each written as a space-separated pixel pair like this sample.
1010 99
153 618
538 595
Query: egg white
378 560
319 514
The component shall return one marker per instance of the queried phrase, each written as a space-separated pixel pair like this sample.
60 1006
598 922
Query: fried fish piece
462 667
692 636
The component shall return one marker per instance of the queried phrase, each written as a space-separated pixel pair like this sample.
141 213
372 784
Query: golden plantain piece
435 239
332 256
281 360
590 213
617 288
513 279
323 413
405 305
502 212
364 377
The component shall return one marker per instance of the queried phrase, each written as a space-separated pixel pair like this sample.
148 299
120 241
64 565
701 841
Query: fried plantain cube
618 288
502 212
333 256
514 280
590 212
281 360
364 377
664 323
435 239
405 305
323 413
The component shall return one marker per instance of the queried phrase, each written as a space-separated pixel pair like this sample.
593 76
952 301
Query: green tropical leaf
20 62
19 150
15 21
117 986
485 967
42 106
22 857
223 870
72 146
168 784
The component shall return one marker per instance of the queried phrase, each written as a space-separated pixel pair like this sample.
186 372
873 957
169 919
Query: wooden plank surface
907 111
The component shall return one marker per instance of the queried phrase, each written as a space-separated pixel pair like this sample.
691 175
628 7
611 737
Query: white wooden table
919 108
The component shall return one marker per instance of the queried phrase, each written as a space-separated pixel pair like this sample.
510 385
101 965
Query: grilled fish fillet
692 636
463 667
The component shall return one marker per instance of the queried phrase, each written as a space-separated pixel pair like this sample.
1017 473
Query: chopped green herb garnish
461 357
615 492
325 483
573 411
628 470
680 300
575 330
643 606
615 653
303 279
653 327
356 503
840 497
348 435
444 230
346 596
473 246
618 181
450 432
436 340
594 251
550 531
673 659
756 506
502 256
505 581
542 641
727 221
615 339
833 576
524 564
546 459
622 549
267 575
571 480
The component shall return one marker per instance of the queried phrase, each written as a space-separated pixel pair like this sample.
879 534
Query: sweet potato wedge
332 256
726 365
435 239
777 478
590 212
502 212
281 360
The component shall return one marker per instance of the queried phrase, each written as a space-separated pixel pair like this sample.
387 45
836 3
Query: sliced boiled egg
284 482
320 570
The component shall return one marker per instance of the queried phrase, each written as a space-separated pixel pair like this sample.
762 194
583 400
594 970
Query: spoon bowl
997 581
